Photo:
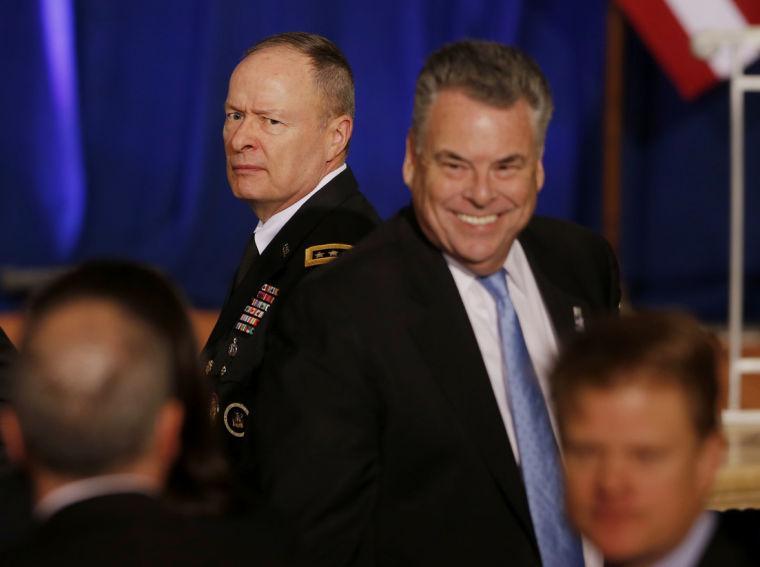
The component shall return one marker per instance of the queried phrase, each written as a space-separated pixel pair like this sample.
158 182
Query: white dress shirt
534 321
265 232
87 488
689 552
537 329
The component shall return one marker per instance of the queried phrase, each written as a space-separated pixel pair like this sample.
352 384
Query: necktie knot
496 285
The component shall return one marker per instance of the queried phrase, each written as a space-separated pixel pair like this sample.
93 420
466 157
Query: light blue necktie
558 543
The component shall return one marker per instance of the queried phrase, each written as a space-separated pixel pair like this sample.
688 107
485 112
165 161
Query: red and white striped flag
666 27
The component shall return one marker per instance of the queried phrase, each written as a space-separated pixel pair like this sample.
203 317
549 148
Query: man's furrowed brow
512 159
449 155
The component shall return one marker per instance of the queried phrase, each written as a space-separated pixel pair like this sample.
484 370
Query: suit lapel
566 310
456 363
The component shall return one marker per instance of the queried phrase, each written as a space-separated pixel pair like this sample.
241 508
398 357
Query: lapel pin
285 250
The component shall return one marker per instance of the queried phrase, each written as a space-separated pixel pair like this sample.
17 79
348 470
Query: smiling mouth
475 220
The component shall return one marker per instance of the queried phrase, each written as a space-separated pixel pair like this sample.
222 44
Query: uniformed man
288 121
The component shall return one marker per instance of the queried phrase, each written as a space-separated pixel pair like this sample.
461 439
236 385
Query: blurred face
277 138
637 474
475 178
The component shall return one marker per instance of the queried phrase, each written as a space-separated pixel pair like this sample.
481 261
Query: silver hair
331 72
490 72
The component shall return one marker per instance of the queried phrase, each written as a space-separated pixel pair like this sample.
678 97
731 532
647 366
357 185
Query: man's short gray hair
331 71
91 407
487 71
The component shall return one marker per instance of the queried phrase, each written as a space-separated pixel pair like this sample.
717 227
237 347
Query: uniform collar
265 232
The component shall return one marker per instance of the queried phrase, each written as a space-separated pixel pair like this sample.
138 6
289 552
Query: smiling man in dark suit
288 120
404 421
103 399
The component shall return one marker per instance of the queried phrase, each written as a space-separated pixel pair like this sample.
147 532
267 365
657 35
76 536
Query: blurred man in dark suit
403 419
7 354
14 488
637 405
99 403
289 117
7 351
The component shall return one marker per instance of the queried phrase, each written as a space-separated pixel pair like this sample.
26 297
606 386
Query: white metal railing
736 43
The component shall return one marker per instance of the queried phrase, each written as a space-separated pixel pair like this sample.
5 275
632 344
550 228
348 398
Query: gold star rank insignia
323 253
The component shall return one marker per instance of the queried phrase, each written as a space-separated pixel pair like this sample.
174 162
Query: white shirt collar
87 488
693 545
515 257
265 232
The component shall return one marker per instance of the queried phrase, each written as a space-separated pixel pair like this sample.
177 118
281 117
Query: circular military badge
233 348
234 419
214 408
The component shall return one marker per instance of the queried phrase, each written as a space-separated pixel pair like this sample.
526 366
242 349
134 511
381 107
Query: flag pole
706 45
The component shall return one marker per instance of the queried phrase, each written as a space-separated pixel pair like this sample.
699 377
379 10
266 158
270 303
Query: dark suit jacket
136 530
15 506
336 215
7 354
377 428
736 541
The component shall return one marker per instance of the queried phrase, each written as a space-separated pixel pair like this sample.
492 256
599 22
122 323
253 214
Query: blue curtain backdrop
676 193
111 117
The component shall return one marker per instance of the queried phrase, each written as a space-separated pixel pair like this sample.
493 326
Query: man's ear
712 455
407 170
540 173
339 131
10 430
168 434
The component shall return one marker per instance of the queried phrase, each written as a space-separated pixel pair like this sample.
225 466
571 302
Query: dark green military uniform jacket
326 226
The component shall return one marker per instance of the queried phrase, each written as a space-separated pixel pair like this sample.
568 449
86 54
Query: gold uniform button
223 370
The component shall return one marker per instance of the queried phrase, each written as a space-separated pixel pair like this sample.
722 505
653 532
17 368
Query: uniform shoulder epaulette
323 253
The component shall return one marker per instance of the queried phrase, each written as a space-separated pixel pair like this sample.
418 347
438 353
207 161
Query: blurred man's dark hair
665 348
197 481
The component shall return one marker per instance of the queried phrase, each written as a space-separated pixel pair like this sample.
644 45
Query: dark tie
250 255
558 543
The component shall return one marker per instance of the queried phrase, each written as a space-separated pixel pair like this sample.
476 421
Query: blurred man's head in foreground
637 406
94 390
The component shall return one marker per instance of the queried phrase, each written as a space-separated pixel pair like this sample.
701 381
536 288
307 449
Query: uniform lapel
283 248
444 336
288 241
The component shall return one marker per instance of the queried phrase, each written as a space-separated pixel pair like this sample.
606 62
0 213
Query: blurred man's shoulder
736 540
